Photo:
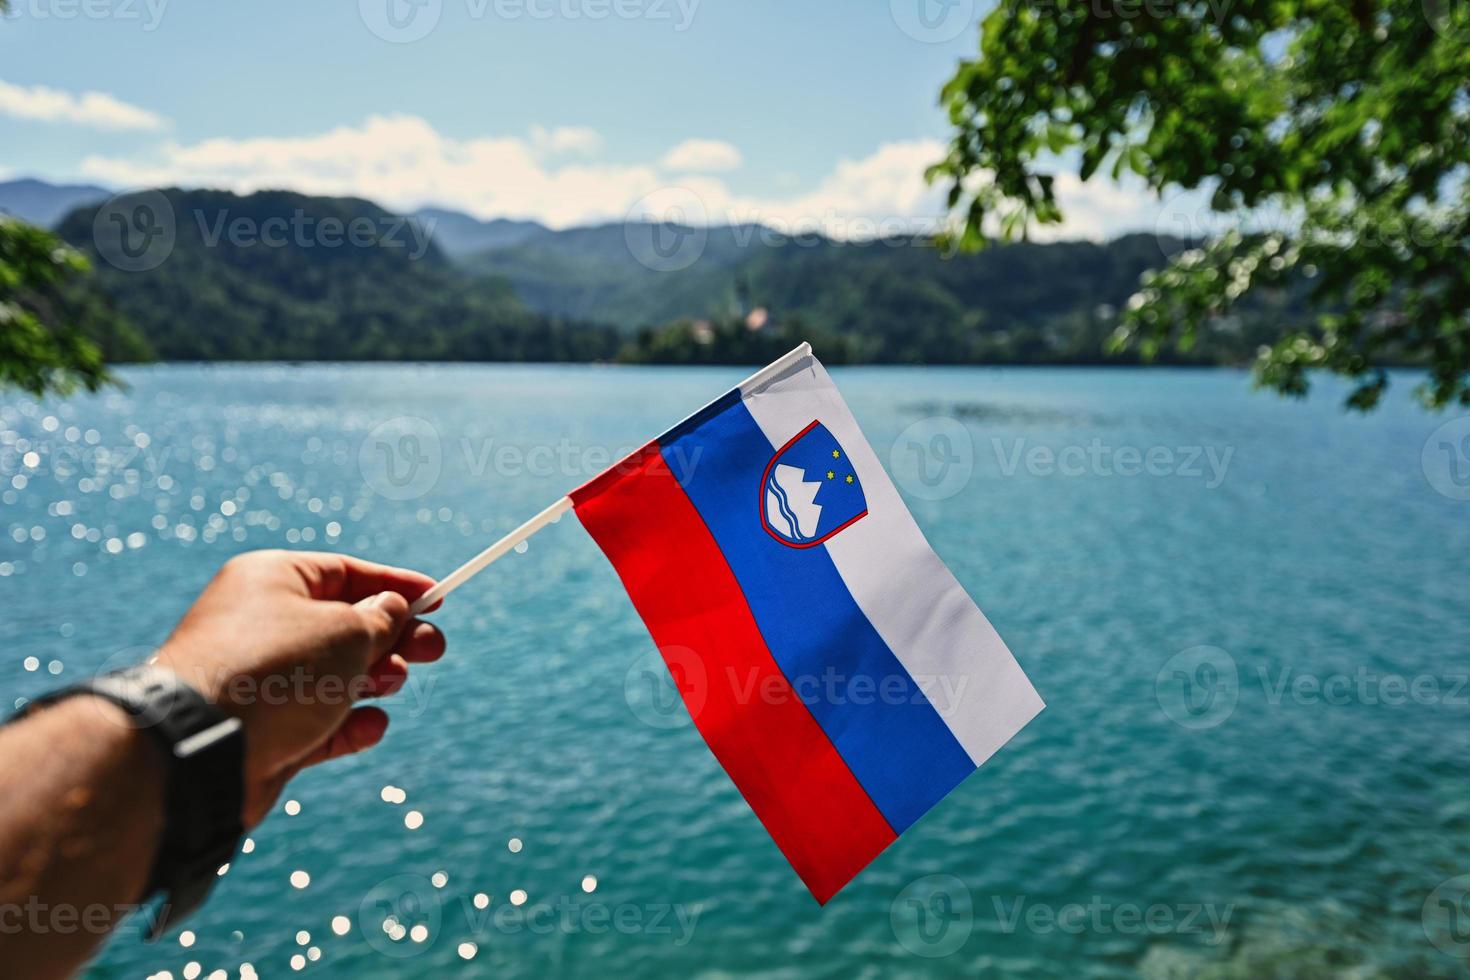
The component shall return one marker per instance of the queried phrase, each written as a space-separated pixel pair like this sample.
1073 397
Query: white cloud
1100 209
882 193
98 109
566 139
702 156
403 163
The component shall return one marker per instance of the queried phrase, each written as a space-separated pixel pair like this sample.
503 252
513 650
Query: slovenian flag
836 668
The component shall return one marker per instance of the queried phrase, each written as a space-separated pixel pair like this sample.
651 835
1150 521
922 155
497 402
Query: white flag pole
477 564
484 559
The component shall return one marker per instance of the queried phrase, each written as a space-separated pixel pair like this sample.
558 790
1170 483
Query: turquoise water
1228 779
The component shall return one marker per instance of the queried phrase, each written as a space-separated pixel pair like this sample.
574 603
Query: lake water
1249 619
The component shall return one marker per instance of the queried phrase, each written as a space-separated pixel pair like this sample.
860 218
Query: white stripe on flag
912 599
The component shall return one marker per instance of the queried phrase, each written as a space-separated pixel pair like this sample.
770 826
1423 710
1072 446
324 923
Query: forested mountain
283 276
893 300
631 275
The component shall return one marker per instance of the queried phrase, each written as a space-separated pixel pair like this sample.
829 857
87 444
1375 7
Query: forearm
82 793
81 811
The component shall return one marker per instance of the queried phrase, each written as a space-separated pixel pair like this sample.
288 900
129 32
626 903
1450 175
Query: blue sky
562 110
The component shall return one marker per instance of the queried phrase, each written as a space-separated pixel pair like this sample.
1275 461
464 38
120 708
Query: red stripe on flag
767 740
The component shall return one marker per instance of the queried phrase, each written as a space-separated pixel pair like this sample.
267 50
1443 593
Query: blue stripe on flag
731 397
887 732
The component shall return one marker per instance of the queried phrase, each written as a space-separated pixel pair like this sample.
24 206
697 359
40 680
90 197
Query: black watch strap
204 751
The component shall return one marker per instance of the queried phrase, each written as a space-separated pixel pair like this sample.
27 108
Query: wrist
192 671
223 691
198 757
95 743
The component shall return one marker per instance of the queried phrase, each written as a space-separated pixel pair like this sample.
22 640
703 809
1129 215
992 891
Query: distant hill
260 277
43 204
459 235
618 273
905 301
894 300
282 276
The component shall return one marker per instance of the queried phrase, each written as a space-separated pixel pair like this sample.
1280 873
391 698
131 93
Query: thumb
384 615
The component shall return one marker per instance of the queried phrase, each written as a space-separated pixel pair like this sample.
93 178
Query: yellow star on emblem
830 474
849 478
836 454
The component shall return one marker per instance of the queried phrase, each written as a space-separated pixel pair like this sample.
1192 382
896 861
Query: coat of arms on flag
810 489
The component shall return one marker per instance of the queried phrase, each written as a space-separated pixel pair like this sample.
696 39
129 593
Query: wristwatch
204 752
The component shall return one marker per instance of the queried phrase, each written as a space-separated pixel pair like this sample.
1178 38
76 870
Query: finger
364 578
387 677
361 730
383 617
350 579
421 643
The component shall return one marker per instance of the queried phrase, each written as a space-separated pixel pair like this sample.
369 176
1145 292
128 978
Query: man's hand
289 642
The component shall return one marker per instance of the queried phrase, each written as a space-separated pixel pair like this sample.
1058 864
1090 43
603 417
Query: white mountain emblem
791 506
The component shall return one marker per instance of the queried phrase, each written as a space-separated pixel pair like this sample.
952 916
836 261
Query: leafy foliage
45 343
1350 119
